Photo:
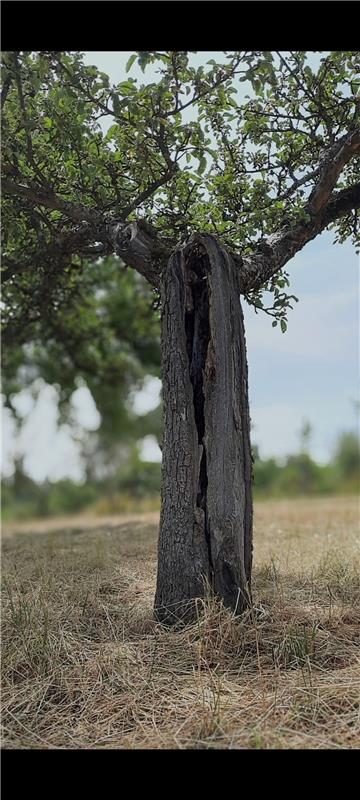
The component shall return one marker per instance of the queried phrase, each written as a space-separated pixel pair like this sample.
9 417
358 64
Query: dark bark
137 244
206 514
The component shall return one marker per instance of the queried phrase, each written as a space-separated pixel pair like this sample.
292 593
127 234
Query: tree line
136 485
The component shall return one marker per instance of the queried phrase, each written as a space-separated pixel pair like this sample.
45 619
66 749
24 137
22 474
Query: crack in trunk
198 334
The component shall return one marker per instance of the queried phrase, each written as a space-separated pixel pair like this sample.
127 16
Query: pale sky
309 373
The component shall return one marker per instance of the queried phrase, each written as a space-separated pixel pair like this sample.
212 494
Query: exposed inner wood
197 330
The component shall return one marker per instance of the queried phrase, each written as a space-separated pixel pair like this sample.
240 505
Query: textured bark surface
206 515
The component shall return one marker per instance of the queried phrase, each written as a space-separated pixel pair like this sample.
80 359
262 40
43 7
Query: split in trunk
206 513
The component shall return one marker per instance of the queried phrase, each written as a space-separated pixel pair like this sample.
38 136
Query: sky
310 373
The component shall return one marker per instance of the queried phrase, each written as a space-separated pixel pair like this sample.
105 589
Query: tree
305 436
205 209
347 458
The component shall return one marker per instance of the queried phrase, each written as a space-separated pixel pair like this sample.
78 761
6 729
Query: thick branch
321 210
5 90
42 197
341 203
58 251
136 243
138 246
279 248
335 159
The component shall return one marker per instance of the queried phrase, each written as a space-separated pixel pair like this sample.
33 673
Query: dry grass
85 665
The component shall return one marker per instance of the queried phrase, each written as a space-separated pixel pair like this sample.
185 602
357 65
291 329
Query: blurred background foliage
135 485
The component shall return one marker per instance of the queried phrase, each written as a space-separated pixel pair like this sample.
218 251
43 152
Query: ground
86 666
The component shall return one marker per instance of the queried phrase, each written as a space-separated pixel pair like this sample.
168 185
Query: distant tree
205 210
300 475
347 457
305 435
106 336
266 475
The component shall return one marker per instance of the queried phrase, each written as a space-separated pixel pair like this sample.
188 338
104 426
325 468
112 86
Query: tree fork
206 511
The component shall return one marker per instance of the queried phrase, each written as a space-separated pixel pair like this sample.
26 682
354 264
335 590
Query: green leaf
283 325
126 87
116 103
130 62
202 165
274 323
257 87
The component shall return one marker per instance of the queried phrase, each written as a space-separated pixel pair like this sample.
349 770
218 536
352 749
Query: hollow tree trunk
206 512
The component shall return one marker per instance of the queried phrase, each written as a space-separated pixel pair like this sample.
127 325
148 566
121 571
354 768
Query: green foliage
139 478
347 459
106 332
107 336
136 480
266 475
135 484
301 475
230 148
24 499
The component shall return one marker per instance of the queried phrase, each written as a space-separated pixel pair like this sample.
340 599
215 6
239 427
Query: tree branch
272 254
321 210
58 251
138 246
149 191
136 243
341 203
332 165
5 90
49 199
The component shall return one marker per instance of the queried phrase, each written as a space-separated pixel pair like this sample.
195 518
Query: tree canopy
260 149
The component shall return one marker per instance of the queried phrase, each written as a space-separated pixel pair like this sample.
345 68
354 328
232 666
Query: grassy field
84 665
